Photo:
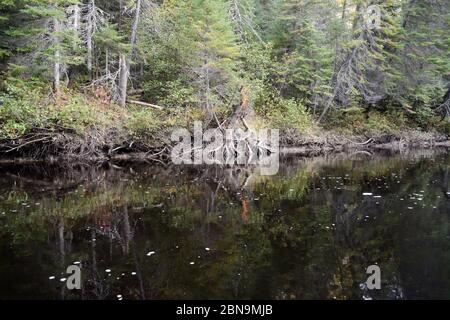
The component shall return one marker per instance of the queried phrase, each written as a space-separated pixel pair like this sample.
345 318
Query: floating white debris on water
133 273
119 297
151 253
51 278
207 249
192 263
63 280
77 263
367 194
108 270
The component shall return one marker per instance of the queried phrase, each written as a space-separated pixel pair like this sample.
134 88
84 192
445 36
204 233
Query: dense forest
90 75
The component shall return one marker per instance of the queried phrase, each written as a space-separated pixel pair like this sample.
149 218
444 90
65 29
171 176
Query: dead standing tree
125 59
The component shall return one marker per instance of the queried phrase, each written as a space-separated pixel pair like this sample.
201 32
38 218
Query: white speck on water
192 263
207 249
52 278
151 253
133 273
108 270
63 280
367 194
410 208
77 263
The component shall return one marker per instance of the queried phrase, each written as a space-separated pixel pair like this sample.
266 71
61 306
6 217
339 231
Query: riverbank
95 147
86 128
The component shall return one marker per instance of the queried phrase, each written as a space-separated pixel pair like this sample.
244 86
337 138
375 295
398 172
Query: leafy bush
357 121
142 120
19 109
283 113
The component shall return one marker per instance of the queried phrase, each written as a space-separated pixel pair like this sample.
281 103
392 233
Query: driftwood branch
145 104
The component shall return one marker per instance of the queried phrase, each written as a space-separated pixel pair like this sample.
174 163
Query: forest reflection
152 232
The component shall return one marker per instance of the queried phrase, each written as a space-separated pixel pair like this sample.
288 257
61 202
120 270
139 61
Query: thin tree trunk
126 60
57 56
344 10
123 80
89 38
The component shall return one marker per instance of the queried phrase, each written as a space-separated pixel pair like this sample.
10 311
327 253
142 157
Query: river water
153 232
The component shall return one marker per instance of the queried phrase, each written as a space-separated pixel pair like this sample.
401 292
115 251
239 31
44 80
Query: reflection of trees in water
291 236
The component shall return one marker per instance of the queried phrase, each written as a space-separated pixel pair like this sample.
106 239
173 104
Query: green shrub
283 113
19 109
349 121
142 120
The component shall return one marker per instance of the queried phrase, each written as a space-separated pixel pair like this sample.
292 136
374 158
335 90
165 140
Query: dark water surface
149 232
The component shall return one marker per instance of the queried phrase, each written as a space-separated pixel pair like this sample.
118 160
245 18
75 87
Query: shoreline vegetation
82 127
110 80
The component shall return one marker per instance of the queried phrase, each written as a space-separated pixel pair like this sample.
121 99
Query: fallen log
145 104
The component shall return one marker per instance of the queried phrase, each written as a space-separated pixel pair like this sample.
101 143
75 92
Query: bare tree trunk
344 9
135 27
123 80
126 60
107 62
57 56
89 38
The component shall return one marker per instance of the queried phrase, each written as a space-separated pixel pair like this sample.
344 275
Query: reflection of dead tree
63 247
233 182
97 287
115 226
